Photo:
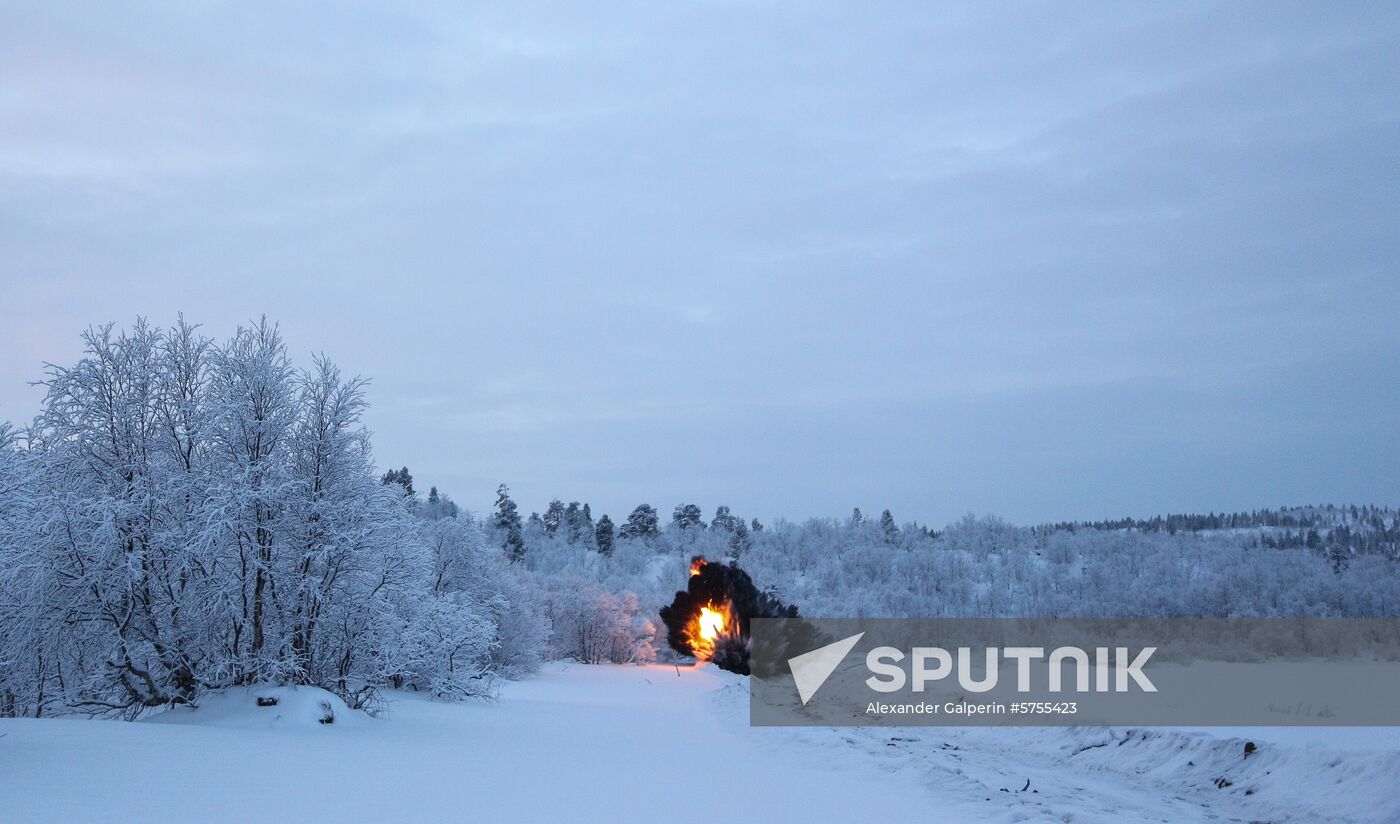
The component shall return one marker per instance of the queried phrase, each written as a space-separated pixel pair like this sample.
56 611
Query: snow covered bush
446 647
463 563
593 626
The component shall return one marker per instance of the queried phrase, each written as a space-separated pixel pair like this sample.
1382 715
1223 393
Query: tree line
186 514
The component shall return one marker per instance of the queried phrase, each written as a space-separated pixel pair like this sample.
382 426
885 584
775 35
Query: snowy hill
610 743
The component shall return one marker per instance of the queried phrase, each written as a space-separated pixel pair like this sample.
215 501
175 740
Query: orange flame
711 624
706 629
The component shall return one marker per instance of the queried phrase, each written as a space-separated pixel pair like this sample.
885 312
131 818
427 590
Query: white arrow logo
811 669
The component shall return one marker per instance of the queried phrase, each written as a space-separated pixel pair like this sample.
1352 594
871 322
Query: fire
696 565
711 624
706 628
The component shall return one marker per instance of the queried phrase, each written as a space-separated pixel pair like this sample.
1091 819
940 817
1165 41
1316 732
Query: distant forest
1360 530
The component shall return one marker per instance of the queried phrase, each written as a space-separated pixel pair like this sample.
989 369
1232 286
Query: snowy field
610 743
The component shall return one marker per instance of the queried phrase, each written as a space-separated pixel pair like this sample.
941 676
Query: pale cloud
790 257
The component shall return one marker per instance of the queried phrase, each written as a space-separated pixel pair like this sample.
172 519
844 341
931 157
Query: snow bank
266 707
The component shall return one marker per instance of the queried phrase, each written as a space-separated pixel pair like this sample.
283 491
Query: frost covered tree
468 569
888 527
401 477
723 520
593 626
740 539
641 524
577 523
1338 551
603 535
437 506
507 523
196 516
587 530
687 516
553 517
26 583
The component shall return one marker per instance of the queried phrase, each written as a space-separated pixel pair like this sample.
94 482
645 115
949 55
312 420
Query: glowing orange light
706 628
711 624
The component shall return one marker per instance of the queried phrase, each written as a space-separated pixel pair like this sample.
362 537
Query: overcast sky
1049 261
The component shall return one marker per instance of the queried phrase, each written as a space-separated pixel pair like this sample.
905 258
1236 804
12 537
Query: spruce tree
573 522
586 529
578 523
603 535
507 522
514 545
739 541
888 528
400 477
1339 549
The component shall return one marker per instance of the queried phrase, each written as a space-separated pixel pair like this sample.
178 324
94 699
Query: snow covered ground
606 743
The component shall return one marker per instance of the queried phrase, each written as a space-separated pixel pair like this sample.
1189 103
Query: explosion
710 619
707 628
711 623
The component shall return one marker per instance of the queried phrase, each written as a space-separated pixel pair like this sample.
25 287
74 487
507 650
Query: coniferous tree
400 477
687 516
438 506
553 517
1339 549
572 521
724 520
603 535
642 523
578 523
888 528
739 541
587 530
507 521
514 545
